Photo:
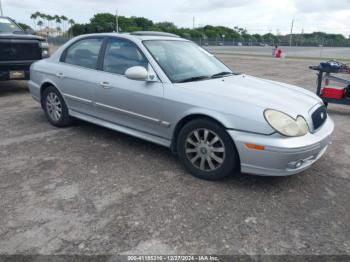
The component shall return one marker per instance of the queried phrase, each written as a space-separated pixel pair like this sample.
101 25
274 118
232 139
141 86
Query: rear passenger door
76 73
132 103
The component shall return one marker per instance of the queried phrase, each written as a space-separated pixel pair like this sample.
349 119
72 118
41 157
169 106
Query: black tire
230 159
64 120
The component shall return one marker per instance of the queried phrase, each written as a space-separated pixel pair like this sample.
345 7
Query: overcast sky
258 16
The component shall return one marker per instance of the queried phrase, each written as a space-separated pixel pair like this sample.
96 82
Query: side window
121 55
84 53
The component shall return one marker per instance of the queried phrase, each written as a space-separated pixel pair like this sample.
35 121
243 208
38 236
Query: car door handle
60 75
105 85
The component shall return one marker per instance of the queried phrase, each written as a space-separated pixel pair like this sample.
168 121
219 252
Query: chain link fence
315 49
295 43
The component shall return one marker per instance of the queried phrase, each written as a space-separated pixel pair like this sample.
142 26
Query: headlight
45 53
285 124
44 45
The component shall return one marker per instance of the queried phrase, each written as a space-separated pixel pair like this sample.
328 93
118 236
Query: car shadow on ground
13 87
142 147
339 110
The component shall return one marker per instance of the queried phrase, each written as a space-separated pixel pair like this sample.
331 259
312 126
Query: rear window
84 53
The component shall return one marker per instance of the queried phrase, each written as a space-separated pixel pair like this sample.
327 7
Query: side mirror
137 73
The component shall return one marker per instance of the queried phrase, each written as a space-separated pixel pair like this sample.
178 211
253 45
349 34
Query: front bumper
5 69
282 156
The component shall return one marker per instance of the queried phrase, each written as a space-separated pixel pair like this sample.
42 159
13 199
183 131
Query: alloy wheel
205 149
54 106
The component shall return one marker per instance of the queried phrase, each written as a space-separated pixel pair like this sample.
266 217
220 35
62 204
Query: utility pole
291 33
116 21
194 21
1 11
302 37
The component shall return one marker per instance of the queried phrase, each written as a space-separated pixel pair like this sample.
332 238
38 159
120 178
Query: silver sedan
170 91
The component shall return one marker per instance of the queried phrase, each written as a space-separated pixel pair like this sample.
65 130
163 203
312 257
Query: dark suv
18 50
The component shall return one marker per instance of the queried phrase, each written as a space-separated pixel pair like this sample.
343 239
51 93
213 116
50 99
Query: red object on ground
329 92
278 53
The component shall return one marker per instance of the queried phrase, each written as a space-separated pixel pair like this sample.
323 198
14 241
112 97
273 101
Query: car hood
260 92
20 36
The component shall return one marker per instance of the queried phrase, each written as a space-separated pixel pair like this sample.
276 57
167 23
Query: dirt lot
87 189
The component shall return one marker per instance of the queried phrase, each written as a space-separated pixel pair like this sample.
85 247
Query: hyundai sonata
170 91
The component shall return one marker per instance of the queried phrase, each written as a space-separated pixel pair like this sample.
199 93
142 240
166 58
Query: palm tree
57 19
58 30
71 22
43 17
40 24
58 22
50 18
64 19
34 17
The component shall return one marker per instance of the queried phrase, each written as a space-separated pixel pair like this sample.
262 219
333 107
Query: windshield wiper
194 78
221 74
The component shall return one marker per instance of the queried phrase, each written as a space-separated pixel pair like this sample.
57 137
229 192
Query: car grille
319 117
19 51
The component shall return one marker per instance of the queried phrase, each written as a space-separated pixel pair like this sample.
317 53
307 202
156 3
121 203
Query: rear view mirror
137 73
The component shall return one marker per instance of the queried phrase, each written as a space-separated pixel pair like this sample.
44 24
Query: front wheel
206 150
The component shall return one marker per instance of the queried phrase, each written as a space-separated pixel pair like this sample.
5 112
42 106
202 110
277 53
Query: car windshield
184 61
7 26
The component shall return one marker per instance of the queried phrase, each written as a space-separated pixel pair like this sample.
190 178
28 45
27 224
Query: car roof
138 38
153 33
141 36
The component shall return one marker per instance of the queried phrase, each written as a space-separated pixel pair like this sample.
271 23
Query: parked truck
18 50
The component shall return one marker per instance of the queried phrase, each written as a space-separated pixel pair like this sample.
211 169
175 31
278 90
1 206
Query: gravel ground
89 190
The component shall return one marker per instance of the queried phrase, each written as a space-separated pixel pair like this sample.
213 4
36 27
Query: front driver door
131 103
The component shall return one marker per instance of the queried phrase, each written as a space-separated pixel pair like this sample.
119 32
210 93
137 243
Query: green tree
58 23
43 18
79 29
166 26
71 22
58 30
142 23
64 19
103 22
40 24
34 16
259 38
106 22
269 38
24 26
50 19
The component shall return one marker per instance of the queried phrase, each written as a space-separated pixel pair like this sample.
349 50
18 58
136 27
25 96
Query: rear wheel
55 108
206 150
